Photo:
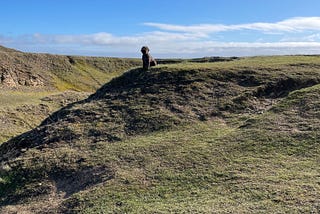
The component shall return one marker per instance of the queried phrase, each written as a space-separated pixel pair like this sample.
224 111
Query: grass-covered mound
32 86
239 136
49 72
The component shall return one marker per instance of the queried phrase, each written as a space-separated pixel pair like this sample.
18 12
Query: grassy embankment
229 137
66 80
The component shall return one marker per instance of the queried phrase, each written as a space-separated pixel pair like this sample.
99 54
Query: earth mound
56 159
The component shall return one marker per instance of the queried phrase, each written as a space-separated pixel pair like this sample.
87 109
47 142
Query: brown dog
147 59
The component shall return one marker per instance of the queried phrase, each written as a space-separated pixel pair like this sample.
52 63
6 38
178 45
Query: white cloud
300 35
107 39
302 23
201 28
288 25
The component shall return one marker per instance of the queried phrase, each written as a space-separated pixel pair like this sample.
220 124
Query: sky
171 28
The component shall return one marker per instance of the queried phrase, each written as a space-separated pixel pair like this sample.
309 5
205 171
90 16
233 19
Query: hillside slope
34 85
212 137
58 72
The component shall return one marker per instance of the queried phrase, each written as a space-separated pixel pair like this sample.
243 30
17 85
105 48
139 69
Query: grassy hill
48 72
237 136
35 85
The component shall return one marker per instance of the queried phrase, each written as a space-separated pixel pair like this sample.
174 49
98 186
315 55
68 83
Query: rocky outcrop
11 77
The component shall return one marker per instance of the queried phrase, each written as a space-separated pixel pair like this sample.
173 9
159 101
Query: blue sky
181 28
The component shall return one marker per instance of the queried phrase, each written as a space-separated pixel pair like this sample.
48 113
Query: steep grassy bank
239 136
35 85
48 72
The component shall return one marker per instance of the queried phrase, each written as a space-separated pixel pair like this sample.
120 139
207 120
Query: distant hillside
7 50
235 136
46 71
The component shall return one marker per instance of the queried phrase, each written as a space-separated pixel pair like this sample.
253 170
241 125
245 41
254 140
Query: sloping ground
21 111
46 71
5 49
226 137
28 81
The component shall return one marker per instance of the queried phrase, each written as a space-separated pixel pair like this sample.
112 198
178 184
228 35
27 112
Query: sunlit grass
12 99
199 155
203 168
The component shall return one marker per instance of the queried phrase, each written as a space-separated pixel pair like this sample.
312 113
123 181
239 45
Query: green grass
14 121
89 73
12 99
203 168
208 167
21 111
226 137
22 107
